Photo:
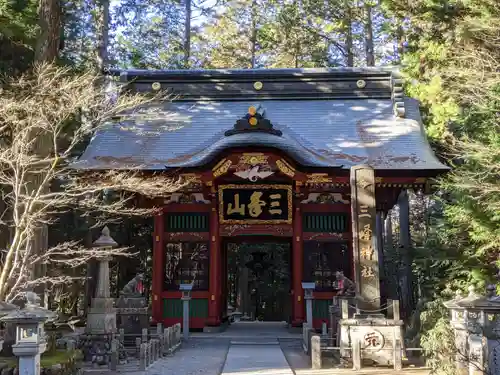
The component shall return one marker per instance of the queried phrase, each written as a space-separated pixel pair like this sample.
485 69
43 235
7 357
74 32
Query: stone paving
256 360
234 352
196 357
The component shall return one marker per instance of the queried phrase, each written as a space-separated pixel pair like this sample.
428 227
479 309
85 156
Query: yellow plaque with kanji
255 204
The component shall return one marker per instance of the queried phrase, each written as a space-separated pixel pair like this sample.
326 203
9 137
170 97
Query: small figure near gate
134 287
345 286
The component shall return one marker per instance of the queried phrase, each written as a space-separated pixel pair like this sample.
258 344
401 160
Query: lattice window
185 263
187 222
326 222
322 260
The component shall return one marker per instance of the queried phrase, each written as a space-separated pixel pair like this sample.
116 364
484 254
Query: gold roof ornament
258 85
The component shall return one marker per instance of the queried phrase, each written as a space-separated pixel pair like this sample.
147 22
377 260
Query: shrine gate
290 175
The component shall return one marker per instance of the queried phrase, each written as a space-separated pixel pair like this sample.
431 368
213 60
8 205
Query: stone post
143 357
308 297
186 297
166 340
121 336
356 355
30 334
144 335
316 352
114 355
138 343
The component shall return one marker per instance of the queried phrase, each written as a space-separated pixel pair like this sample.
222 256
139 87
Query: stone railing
165 342
307 333
149 347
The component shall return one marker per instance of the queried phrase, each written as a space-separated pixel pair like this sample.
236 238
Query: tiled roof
317 133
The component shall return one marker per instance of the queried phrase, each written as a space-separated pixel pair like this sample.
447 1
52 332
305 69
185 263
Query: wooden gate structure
316 157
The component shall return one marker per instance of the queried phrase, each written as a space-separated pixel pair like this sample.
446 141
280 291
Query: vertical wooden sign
363 210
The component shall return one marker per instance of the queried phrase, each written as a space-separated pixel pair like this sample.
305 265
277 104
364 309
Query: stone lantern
5 309
308 296
186 297
30 334
101 318
476 323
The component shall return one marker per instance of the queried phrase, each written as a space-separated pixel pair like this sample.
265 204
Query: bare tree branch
64 109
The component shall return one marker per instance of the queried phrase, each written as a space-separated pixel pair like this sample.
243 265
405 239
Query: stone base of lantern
101 318
96 349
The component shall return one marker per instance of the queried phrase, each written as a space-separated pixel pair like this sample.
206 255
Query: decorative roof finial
253 121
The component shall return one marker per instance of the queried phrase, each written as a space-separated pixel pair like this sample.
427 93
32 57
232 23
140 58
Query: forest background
449 52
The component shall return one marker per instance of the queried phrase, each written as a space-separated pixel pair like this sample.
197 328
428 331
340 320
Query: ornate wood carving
318 178
253 166
191 178
366 267
279 230
325 198
285 168
253 158
187 198
222 167
187 236
309 236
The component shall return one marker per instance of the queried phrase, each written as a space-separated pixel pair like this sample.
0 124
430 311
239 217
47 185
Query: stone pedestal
132 316
375 338
101 318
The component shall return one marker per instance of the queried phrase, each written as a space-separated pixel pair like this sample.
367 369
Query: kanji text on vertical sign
363 219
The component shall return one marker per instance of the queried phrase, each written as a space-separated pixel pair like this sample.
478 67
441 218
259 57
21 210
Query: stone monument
132 311
101 318
30 335
367 333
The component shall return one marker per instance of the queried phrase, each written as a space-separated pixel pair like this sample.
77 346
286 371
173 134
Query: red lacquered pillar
298 259
157 277
215 270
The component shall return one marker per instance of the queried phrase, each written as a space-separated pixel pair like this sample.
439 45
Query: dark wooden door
266 262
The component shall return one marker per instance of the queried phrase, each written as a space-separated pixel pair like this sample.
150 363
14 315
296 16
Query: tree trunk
187 34
102 28
49 22
370 55
253 38
46 51
349 44
102 21
401 41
